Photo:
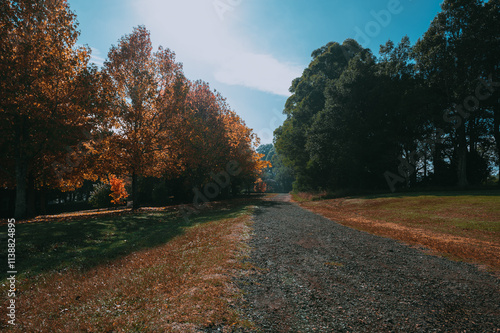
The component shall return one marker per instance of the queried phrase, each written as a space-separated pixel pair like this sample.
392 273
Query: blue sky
251 50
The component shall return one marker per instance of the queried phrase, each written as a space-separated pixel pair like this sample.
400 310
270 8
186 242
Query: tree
243 144
430 111
451 64
208 137
307 100
490 48
352 141
409 100
118 191
267 150
200 134
277 176
147 86
46 108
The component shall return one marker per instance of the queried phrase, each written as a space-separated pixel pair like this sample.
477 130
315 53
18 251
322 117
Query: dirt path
314 275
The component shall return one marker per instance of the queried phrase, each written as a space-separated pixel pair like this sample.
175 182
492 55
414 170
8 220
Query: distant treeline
418 115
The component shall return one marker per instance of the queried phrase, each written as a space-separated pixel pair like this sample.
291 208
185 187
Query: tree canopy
48 95
423 114
65 121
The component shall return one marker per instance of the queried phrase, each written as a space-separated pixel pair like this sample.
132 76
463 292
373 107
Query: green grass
465 212
85 243
461 210
495 192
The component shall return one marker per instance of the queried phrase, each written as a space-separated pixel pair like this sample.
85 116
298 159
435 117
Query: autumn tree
199 135
46 87
243 144
260 186
118 191
148 90
209 135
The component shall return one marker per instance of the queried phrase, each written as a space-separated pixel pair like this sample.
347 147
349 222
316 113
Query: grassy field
150 271
461 225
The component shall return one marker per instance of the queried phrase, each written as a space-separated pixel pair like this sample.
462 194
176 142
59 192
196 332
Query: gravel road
314 275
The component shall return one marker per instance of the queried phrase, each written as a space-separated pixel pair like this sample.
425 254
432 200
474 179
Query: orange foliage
260 186
199 134
139 116
119 193
208 135
149 90
50 97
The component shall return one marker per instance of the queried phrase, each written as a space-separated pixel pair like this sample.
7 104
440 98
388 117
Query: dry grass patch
179 286
461 226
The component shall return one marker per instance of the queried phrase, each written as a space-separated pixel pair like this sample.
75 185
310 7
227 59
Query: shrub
100 196
118 191
260 186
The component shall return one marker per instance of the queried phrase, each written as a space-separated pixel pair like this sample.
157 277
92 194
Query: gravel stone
314 275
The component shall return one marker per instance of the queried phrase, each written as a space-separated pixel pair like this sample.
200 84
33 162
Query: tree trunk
437 165
413 179
21 185
21 170
135 201
425 165
30 197
496 134
462 157
43 202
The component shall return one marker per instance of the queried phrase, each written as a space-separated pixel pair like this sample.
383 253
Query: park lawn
461 225
150 271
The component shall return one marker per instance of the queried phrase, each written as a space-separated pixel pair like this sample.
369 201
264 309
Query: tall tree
44 83
490 47
448 56
208 137
408 99
353 139
146 86
307 99
243 145
200 137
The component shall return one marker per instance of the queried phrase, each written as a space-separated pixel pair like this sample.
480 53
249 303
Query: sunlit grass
444 213
465 225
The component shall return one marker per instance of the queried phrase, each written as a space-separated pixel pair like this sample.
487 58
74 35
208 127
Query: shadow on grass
84 243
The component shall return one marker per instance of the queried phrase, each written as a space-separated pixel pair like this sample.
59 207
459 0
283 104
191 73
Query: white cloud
96 57
202 34
258 71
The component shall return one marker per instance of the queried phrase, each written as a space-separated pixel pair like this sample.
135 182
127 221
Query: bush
118 192
100 196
